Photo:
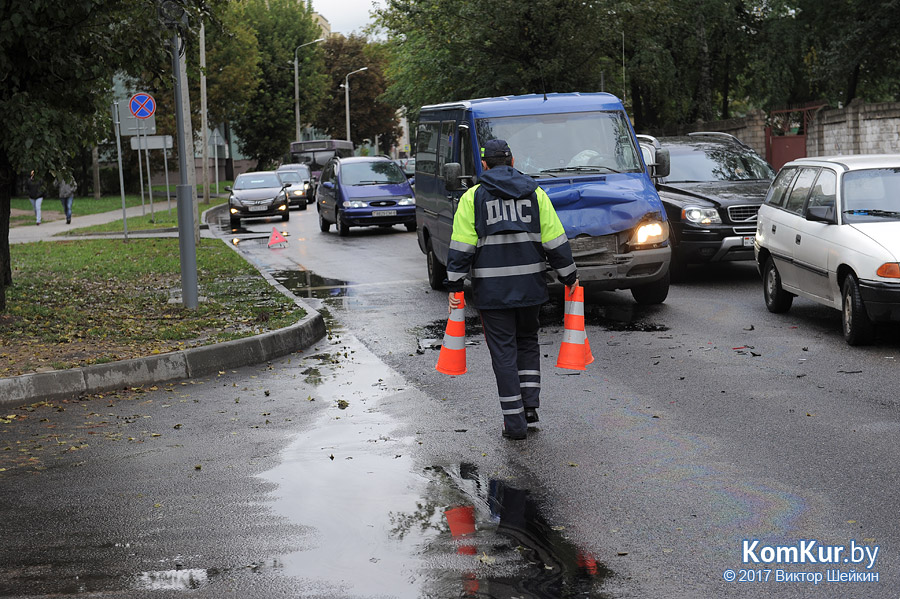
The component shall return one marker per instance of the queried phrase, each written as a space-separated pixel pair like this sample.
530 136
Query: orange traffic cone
575 351
452 359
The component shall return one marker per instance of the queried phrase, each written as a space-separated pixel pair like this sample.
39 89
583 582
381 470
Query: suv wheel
652 293
858 329
324 225
437 272
777 299
342 228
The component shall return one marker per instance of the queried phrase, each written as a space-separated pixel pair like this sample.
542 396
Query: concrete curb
185 364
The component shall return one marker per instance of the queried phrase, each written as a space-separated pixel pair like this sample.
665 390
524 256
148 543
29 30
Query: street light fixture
347 95
297 84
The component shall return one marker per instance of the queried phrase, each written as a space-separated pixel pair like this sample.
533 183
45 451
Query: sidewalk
55 230
151 370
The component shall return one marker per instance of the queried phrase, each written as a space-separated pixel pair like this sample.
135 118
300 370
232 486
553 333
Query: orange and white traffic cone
452 359
575 351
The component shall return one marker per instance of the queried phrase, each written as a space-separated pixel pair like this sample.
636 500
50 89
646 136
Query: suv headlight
355 204
650 232
407 201
701 216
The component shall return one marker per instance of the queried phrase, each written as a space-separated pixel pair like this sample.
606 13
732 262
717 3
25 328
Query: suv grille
594 251
743 214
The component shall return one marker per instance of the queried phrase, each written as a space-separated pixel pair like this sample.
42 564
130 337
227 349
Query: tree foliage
370 114
57 61
266 124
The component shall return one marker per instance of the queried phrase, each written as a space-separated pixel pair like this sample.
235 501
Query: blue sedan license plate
384 213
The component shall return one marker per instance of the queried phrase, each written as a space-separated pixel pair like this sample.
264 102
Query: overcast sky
346 16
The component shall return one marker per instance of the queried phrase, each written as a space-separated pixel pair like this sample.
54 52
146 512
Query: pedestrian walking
504 232
67 189
35 191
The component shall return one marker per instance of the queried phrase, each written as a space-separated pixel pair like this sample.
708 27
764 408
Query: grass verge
159 218
75 303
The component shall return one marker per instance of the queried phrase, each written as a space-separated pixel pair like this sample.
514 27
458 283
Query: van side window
426 148
446 147
466 159
802 185
775 196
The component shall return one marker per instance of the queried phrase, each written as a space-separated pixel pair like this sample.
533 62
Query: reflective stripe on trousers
512 338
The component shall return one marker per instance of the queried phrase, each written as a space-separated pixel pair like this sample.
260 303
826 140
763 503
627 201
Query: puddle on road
304 283
382 526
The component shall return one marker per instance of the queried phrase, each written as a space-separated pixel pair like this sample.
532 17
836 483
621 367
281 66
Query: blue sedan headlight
355 204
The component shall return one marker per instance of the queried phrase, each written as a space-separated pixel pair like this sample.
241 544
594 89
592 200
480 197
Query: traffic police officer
504 232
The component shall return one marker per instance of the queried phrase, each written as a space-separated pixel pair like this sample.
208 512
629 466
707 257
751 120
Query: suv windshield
582 142
371 173
870 195
256 181
716 162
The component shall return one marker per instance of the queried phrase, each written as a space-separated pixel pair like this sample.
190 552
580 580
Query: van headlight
407 201
650 232
701 216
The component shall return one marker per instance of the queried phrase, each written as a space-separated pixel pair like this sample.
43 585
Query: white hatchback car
829 231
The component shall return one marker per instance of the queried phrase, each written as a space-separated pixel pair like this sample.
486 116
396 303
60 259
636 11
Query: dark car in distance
257 195
364 191
300 178
714 189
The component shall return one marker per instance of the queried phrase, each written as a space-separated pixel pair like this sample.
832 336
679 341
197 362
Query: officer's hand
454 302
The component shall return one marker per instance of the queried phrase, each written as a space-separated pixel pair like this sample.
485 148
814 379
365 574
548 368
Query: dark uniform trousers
512 338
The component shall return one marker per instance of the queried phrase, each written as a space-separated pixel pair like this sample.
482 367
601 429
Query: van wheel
437 272
324 225
858 329
777 299
652 293
342 228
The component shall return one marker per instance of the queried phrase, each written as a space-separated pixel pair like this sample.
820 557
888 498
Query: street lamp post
297 85
347 96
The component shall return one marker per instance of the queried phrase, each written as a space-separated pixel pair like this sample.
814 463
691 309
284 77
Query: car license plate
384 213
748 240
258 208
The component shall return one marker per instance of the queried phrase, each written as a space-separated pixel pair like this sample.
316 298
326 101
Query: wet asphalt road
702 423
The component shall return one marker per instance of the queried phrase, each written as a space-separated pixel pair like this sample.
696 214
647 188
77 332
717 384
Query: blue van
582 150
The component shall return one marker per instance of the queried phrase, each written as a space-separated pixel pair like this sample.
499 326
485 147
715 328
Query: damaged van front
582 151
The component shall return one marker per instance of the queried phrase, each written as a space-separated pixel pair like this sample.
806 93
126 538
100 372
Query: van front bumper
625 271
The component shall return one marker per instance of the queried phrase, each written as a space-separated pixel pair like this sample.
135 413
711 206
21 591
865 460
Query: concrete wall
857 128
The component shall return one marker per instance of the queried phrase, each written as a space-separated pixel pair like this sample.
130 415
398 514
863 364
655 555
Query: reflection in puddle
304 283
378 524
172 580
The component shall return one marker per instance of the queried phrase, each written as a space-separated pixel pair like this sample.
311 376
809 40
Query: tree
57 60
266 124
370 115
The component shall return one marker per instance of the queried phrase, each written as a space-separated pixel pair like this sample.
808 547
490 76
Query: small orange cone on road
452 359
575 351
276 238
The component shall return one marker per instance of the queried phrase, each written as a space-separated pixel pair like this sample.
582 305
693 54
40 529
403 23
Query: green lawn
74 303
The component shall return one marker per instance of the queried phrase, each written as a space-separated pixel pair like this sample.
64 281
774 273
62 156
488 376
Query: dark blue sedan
364 191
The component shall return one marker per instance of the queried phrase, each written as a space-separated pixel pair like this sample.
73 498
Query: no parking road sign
142 105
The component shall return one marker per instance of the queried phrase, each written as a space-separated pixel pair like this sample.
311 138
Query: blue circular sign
142 105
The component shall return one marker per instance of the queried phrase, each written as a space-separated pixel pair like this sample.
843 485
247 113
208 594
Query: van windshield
580 142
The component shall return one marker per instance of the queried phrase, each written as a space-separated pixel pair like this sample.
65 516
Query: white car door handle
797 240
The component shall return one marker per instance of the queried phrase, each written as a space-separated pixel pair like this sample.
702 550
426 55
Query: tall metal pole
140 124
204 118
347 96
119 156
184 191
149 182
297 86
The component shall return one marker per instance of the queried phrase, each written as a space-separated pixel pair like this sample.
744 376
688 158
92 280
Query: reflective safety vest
504 239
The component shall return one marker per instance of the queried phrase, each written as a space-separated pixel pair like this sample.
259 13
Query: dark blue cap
495 148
